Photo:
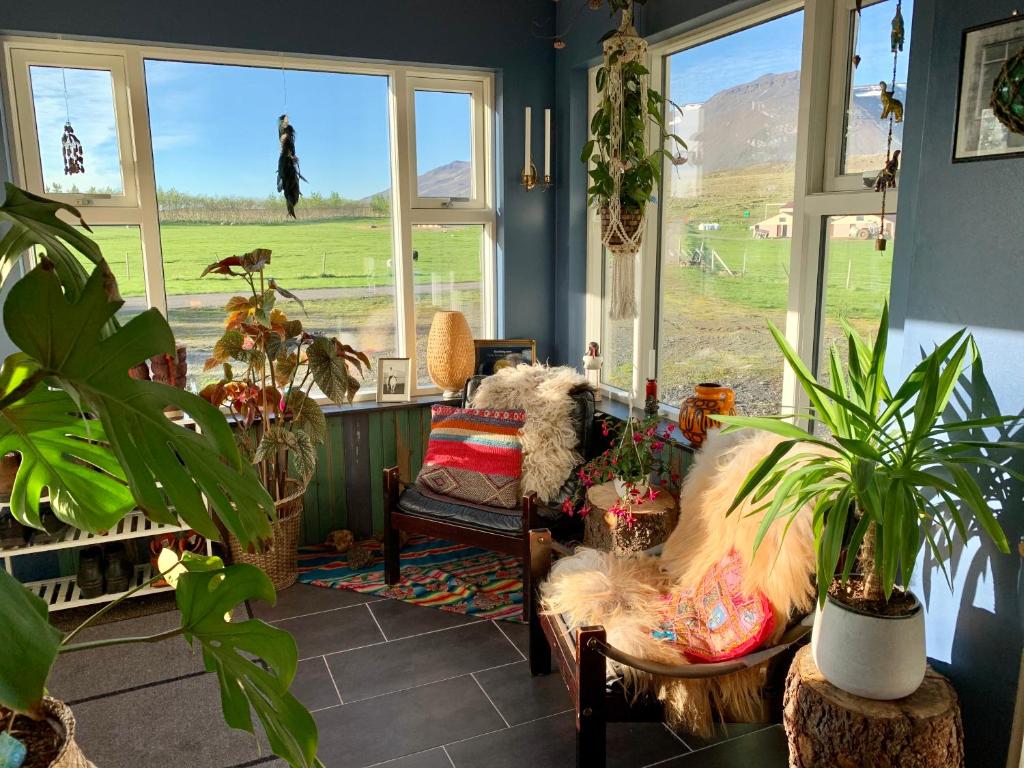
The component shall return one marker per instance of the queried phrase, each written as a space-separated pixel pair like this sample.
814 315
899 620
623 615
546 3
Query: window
768 216
396 218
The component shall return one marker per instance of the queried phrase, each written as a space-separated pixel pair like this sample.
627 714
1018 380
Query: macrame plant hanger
71 147
622 231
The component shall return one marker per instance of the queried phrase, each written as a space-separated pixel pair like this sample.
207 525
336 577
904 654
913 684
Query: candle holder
547 181
528 177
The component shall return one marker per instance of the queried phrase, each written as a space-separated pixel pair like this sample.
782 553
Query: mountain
756 123
451 180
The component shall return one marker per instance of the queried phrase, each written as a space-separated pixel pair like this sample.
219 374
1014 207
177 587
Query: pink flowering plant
635 454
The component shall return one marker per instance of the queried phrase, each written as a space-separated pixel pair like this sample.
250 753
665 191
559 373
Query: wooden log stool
652 522
829 728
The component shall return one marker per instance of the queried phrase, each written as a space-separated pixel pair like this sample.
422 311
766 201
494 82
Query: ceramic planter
877 657
698 411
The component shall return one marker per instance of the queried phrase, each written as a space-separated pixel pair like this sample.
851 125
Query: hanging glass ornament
1007 95
74 158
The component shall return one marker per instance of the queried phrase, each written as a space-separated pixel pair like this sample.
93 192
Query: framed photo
494 354
394 379
979 134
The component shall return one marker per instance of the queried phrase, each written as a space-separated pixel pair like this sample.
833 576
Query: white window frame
127 63
819 190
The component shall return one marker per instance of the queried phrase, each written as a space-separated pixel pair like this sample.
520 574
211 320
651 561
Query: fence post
323 265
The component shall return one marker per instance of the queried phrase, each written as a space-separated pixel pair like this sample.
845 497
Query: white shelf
63 593
133 526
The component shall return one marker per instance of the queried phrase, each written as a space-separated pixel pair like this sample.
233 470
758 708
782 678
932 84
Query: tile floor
390 684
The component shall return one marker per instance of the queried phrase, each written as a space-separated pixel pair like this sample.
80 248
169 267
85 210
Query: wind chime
288 174
74 157
622 229
892 109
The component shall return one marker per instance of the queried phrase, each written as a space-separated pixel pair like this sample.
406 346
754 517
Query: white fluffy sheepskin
549 441
624 595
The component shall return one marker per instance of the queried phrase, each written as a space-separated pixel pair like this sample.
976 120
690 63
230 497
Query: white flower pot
621 489
877 657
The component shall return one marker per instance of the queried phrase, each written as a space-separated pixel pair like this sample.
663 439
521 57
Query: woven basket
280 561
70 755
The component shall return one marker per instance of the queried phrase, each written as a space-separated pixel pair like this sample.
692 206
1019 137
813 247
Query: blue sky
699 73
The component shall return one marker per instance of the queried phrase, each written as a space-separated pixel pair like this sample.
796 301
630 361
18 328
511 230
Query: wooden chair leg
529 523
590 698
540 566
392 541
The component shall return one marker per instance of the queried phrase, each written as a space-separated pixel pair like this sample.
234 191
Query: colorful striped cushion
474 455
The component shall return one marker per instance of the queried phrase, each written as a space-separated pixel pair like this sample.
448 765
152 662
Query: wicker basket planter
632 219
280 561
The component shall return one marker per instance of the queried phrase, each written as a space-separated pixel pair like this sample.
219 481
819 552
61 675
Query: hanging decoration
1008 93
625 170
892 109
288 174
71 147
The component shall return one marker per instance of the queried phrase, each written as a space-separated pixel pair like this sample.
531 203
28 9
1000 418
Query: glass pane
444 144
616 339
447 274
728 214
857 280
864 137
122 248
216 189
87 102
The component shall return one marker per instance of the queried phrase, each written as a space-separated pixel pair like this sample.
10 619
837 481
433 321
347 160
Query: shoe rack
63 592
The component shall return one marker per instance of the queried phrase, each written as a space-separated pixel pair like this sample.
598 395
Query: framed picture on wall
494 354
985 49
394 380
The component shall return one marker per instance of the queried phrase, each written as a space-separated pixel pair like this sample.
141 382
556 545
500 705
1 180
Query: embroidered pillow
715 621
474 455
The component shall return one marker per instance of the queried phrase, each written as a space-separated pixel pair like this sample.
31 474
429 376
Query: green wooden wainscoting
347 489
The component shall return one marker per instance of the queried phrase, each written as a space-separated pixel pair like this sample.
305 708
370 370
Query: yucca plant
888 477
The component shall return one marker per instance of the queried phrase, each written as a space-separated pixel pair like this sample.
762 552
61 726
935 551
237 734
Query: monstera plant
97 442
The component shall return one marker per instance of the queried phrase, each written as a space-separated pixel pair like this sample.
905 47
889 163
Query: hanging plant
626 169
74 158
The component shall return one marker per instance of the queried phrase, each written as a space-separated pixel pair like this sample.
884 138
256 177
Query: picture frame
978 133
494 354
394 379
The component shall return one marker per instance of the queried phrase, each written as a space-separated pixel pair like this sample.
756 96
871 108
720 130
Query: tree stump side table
829 728
653 522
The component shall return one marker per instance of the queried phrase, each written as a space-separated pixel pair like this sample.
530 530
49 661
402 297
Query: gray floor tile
765 748
432 758
85 674
176 723
518 633
551 743
418 660
320 633
723 732
300 599
398 619
313 685
404 723
520 696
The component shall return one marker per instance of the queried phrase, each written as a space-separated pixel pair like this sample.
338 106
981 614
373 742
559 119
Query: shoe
12 533
158 544
53 528
117 570
90 572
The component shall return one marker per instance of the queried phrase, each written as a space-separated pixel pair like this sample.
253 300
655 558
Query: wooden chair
582 661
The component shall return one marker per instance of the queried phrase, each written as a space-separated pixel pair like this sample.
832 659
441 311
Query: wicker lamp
450 353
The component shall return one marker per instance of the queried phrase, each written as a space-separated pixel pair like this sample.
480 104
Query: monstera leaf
29 646
206 596
60 451
165 464
34 221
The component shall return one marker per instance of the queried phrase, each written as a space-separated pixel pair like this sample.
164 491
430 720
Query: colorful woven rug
441 574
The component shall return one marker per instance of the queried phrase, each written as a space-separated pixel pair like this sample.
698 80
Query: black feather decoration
288 174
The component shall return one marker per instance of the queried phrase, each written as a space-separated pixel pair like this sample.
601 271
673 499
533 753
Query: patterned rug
441 574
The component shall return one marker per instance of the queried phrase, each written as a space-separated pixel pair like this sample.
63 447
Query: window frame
142 211
819 191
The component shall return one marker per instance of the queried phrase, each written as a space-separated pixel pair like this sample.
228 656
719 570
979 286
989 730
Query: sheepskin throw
474 455
627 595
550 452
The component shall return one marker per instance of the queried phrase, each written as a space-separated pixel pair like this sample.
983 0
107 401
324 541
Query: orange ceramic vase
697 413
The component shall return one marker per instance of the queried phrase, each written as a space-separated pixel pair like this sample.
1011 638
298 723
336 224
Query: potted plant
625 169
98 443
269 366
632 463
889 478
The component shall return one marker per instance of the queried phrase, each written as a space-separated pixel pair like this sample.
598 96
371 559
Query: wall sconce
528 177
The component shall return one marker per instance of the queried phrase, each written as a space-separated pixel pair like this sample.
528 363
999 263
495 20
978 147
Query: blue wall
958 261
496 34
